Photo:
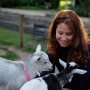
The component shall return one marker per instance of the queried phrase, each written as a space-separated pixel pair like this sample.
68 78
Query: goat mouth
43 73
38 73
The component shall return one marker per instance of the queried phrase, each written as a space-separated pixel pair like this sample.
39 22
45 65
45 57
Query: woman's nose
64 37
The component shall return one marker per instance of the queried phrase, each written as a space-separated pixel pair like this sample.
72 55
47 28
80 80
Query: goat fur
54 81
12 75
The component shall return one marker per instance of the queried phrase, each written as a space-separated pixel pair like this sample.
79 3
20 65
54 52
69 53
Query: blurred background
82 7
24 24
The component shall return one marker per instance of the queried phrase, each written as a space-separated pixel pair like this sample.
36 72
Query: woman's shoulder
88 55
88 46
88 49
50 56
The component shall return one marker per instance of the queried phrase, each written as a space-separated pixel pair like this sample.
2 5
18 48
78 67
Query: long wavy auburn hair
79 44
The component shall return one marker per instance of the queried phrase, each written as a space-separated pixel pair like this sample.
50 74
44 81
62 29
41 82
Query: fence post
21 29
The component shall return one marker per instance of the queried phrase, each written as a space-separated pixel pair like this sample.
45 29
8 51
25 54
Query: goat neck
31 70
64 77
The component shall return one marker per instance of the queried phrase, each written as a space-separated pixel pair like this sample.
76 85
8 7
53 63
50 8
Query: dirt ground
22 54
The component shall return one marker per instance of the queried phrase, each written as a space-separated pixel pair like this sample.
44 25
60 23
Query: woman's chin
64 45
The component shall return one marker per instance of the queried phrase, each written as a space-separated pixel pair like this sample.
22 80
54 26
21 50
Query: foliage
55 4
30 7
84 8
65 4
82 11
17 3
14 3
81 7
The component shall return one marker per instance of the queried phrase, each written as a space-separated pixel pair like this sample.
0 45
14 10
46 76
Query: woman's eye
69 34
60 33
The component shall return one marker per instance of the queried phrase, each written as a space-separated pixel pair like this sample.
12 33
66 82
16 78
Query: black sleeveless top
55 61
79 82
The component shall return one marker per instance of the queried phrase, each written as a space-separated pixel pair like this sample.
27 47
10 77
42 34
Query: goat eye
44 62
38 59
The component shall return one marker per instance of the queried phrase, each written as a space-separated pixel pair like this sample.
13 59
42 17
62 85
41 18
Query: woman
68 40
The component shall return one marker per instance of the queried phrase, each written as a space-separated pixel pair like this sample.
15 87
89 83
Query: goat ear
79 71
64 64
38 48
70 78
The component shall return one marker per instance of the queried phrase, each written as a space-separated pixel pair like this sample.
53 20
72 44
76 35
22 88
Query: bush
83 9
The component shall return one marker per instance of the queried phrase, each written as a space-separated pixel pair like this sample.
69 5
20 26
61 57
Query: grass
11 38
8 37
9 54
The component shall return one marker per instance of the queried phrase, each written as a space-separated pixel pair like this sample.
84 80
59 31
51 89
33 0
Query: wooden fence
25 21
32 22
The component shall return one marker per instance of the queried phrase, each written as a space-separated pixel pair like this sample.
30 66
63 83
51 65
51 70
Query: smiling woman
68 40
64 35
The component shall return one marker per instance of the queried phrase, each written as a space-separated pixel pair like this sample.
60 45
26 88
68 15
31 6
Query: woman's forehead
63 27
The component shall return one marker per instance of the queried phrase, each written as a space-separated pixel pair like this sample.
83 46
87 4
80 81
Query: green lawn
8 37
11 38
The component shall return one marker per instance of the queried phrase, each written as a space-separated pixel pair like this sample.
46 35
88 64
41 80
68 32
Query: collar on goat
26 72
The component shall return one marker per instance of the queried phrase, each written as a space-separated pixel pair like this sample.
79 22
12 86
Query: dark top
49 81
79 82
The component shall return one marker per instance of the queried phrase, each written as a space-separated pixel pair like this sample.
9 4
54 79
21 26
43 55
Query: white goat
54 81
13 74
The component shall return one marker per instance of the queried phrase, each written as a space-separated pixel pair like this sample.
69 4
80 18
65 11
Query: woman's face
64 35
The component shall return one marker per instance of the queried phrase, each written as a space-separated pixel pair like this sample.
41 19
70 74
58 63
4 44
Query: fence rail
32 25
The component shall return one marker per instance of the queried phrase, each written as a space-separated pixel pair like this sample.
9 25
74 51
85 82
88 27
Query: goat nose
51 67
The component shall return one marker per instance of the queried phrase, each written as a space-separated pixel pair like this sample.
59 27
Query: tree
55 4
77 2
83 8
